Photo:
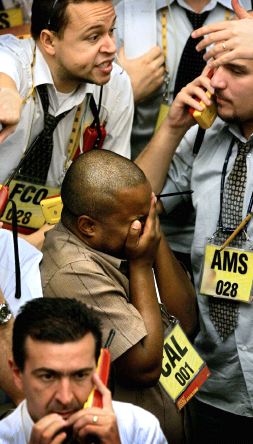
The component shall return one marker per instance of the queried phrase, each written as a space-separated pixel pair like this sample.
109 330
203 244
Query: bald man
103 253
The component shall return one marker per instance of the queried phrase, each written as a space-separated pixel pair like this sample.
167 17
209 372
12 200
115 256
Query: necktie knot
244 147
196 20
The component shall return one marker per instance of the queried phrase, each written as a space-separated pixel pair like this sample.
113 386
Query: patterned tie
191 63
223 313
37 160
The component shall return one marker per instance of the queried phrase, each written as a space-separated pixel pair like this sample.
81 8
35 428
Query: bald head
93 182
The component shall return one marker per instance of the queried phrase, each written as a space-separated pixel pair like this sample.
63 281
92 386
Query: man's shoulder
137 424
12 44
11 431
64 252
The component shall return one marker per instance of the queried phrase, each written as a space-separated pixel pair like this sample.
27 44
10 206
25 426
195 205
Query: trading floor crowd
126 228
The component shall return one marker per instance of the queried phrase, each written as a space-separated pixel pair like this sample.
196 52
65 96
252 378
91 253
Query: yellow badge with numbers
27 197
11 17
228 274
183 370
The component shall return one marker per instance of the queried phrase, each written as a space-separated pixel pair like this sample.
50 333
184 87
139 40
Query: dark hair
56 320
51 14
93 181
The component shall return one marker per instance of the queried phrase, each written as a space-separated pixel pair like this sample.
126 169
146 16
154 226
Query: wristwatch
5 313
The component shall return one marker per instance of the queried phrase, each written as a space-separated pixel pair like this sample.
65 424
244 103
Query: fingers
44 431
133 237
214 37
207 29
105 392
6 131
152 216
195 92
239 10
98 423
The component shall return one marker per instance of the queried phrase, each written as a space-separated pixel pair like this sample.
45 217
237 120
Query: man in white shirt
172 27
56 345
223 405
70 57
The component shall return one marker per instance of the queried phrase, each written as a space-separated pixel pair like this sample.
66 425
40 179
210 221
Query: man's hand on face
98 422
228 40
190 96
142 241
48 430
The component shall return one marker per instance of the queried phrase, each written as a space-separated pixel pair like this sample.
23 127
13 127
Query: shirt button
244 348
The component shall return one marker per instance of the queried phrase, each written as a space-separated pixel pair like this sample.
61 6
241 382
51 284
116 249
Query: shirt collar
210 6
235 130
27 421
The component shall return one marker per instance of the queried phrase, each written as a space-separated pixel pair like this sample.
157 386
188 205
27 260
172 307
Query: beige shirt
72 269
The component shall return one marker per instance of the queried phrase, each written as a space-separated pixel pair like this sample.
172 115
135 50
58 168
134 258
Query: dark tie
224 314
191 63
37 159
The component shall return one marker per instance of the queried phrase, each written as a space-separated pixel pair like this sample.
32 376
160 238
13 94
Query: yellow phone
51 209
206 117
103 370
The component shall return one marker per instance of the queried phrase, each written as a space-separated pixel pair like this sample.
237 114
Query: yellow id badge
27 197
11 17
228 274
163 112
183 370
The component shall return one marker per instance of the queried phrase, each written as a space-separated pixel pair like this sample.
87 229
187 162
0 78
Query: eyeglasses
52 12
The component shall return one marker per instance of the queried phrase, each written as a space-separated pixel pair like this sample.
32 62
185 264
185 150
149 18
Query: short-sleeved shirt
117 108
70 268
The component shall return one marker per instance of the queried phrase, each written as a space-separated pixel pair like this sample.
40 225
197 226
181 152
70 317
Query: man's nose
64 393
108 44
218 80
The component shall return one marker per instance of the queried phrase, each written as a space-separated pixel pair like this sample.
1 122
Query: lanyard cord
223 176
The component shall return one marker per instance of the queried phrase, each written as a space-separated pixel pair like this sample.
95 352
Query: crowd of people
149 199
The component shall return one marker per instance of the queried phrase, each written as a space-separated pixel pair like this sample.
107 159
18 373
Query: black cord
16 253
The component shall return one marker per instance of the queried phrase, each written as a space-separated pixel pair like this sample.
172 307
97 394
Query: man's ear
87 225
16 374
47 40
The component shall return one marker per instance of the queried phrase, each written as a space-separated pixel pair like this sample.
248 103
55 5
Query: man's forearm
175 288
156 158
141 365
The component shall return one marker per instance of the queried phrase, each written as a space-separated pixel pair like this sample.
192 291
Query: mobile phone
51 209
206 117
4 195
103 370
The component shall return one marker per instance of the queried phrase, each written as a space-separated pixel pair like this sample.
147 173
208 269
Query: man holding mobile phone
222 181
56 344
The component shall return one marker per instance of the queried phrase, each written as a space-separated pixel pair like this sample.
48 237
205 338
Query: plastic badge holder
206 117
51 209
